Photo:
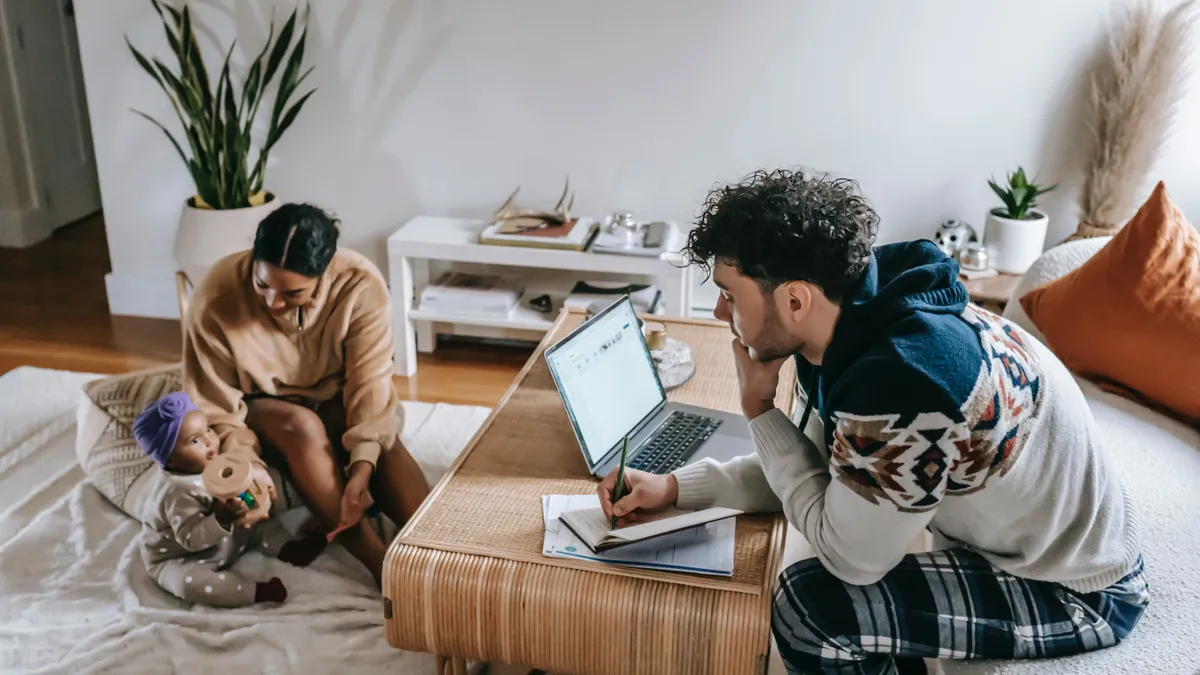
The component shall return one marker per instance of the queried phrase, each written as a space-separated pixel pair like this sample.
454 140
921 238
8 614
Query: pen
619 488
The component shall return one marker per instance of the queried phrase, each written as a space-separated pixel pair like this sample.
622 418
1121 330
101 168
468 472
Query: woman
288 349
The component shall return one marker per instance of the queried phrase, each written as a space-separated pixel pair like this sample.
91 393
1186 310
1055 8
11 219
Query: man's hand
356 499
757 381
644 493
229 511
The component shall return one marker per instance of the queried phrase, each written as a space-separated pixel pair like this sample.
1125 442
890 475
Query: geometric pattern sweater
928 412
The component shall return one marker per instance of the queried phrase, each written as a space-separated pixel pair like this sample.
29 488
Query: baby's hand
229 511
264 479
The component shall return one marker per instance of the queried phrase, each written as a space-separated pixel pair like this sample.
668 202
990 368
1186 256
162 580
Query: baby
189 539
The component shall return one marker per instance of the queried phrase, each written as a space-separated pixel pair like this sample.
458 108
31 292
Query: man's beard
774 342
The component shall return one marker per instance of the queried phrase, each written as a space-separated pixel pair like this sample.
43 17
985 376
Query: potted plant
227 169
1016 233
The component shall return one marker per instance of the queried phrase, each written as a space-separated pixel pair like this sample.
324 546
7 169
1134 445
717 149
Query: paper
707 549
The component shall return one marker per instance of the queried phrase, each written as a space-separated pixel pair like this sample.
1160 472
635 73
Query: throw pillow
1129 318
106 449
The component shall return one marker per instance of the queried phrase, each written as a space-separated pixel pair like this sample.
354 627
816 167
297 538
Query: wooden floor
54 314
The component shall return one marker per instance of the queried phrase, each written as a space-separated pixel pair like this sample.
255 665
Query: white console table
425 238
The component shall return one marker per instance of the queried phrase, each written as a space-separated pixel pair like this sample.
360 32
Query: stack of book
646 298
573 235
472 294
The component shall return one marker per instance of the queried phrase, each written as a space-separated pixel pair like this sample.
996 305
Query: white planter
1015 244
207 235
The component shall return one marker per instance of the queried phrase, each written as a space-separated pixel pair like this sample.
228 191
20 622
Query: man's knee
797 620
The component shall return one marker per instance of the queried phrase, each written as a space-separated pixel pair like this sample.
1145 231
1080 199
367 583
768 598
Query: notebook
704 549
595 530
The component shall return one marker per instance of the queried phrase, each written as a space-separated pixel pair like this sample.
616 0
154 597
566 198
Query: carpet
78 599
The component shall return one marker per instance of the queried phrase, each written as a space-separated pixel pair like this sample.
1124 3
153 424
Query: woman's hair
300 238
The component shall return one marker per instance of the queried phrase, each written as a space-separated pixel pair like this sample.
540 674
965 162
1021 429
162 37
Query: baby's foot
301 552
270 591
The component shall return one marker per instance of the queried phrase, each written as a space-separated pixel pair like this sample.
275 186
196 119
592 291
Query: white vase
1015 244
207 235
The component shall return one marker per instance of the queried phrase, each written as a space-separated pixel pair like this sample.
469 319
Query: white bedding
76 598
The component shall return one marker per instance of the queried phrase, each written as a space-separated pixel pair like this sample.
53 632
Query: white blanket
77 599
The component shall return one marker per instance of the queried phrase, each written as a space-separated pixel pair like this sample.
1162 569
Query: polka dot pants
198 582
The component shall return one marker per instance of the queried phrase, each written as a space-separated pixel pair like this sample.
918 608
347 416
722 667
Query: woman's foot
270 591
301 552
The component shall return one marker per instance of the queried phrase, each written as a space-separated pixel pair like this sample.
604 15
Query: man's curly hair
783 225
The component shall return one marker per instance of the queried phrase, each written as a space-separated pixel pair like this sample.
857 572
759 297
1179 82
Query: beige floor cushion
104 443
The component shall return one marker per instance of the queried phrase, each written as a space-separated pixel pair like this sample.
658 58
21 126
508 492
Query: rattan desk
466 578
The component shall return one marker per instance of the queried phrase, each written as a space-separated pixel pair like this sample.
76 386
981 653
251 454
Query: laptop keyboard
674 442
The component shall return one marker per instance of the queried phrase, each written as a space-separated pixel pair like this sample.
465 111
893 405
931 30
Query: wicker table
466 578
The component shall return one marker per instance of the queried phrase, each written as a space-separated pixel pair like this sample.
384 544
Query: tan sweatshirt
341 342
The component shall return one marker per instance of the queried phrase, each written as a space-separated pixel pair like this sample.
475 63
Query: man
922 412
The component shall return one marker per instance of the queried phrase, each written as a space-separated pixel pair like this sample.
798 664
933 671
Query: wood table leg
441 665
459 666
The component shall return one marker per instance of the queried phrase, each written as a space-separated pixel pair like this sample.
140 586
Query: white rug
77 598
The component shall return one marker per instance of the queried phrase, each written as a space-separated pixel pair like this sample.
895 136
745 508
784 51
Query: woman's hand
356 499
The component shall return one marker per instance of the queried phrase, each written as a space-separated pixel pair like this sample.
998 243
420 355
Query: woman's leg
299 435
398 485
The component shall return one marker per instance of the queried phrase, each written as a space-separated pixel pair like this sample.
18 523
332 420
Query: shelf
520 318
455 239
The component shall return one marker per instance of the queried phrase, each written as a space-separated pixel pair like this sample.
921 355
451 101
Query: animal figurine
517 220
953 236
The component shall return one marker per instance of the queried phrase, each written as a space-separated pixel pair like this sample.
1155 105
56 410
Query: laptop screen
606 378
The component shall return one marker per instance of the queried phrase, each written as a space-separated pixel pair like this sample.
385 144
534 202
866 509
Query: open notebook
595 530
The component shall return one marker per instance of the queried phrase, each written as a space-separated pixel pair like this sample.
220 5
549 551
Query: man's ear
798 296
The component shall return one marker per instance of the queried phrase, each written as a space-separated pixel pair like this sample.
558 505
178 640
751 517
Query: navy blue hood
901 280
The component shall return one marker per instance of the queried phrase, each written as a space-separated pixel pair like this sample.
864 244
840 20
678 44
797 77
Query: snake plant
227 170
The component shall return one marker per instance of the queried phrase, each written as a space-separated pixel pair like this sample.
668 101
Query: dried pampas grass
1133 100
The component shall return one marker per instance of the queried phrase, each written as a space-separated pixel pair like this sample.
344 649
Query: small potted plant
216 118
1016 232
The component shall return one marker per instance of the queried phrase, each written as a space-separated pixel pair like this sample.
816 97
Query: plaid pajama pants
949 604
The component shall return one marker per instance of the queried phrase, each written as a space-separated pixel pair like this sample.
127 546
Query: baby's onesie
188 553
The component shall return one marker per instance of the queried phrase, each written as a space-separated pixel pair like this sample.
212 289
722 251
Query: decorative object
1129 318
656 335
542 303
975 258
622 226
230 199
1134 96
1016 233
953 235
623 235
674 363
515 220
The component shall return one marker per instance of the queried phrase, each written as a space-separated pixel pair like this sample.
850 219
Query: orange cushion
1130 316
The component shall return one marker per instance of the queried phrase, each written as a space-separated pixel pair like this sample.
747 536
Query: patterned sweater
933 413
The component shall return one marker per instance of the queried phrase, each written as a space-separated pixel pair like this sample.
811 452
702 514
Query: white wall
443 107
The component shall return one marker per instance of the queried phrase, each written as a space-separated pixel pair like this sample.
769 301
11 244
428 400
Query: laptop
610 387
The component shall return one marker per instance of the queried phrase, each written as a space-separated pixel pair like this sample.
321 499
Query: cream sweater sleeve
369 395
210 379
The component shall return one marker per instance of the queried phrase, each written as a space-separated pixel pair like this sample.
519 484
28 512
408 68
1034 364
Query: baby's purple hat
157 428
